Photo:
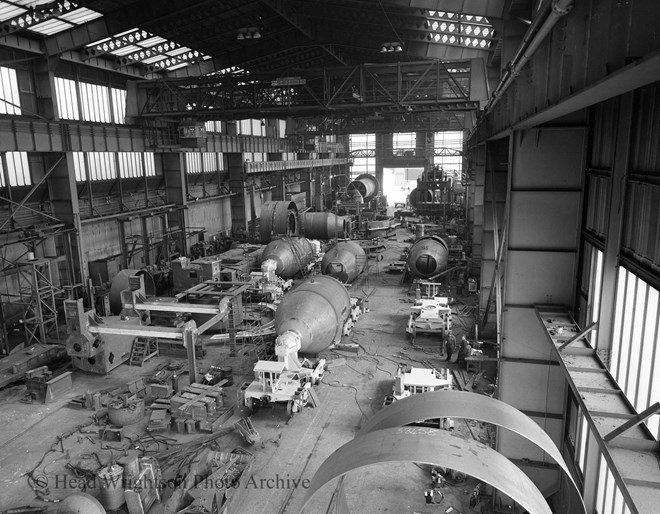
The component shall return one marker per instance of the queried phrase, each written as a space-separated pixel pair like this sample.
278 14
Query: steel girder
394 88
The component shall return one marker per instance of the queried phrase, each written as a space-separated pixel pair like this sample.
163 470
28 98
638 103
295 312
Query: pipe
530 43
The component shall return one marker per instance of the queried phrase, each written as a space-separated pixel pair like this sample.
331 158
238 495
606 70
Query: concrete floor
352 391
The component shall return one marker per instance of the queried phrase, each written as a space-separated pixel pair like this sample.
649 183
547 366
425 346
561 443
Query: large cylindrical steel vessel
344 261
290 254
316 310
278 218
367 185
418 196
325 225
427 257
120 282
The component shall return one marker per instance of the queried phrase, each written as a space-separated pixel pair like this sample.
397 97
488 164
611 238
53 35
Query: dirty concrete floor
293 449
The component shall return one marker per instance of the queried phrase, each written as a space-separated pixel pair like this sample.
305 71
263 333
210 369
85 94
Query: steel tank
316 310
367 185
428 256
418 196
278 218
325 225
290 254
344 261
120 282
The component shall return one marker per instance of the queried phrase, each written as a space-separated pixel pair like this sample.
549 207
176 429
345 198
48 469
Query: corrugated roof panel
51 27
79 16
154 59
126 50
8 11
152 41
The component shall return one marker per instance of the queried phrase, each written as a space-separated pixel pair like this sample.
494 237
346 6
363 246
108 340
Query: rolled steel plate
437 448
461 404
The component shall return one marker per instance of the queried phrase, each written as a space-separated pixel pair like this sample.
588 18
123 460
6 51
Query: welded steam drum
344 261
325 225
290 254
427 257
418 196
367 185
316 310
278 218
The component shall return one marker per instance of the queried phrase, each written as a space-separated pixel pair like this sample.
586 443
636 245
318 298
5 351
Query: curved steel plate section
461 404
434 447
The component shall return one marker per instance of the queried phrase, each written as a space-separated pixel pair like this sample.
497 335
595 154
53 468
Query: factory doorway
398 182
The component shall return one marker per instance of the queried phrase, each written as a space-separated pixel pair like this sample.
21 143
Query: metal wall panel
549 159
540 277
523 330
542 219
525 385
645 151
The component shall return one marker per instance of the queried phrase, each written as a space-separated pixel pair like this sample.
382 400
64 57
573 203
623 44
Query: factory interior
329 256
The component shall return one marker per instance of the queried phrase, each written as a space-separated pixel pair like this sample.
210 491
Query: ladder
143 349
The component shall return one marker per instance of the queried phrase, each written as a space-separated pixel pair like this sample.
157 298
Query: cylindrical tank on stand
344 261
367 185
428 256
120 282
290 254
317 310
418 196
325 225
278 218
111 487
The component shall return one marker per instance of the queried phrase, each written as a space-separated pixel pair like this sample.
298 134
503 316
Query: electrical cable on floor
338 384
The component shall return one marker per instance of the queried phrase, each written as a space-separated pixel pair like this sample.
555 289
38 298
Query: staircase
143 349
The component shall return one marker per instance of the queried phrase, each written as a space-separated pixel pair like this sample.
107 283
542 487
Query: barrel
428 256
316 310
367 185
419 196
344 261
120 283
290 254
111 487
325 225
278 218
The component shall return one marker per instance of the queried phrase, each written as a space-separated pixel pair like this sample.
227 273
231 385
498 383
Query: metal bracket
633 422
579 335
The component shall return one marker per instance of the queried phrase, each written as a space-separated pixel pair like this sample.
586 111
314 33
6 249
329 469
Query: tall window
609 499
10 102
18 169
403 143
362 164
448 146
590 287
635 358
98 103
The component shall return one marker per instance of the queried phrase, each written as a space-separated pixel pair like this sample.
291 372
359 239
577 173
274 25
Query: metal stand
38 295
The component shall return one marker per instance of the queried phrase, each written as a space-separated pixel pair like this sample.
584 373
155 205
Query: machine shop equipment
314 312
308 320
344 261
120 282
278 218
367 185
325 225
98 345
428 256
292 255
